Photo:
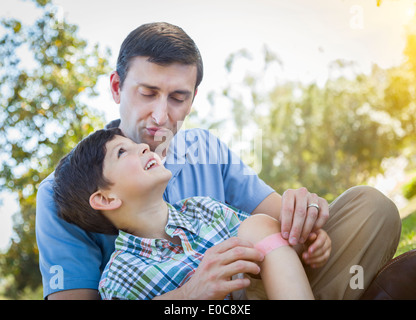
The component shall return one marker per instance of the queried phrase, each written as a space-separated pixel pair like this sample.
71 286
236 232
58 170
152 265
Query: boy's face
154 100
133 169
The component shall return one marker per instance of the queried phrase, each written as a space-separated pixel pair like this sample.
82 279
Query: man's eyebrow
148 86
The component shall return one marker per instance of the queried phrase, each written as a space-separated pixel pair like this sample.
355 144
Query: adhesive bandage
271 243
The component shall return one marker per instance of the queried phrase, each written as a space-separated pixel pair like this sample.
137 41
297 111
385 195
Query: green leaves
331 137
46 73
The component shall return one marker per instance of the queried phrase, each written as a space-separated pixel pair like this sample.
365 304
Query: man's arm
75 294
271 206
69 258
292 211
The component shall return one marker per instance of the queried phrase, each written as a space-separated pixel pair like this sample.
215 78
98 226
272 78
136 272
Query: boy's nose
143 148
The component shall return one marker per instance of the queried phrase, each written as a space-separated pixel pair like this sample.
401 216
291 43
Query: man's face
154 100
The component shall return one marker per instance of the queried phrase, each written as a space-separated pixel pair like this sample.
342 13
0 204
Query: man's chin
159 147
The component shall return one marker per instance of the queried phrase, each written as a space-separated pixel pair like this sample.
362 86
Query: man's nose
160 112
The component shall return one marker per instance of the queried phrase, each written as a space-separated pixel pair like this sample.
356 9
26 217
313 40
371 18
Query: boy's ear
101 201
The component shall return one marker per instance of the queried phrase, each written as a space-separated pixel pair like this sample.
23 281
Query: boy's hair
78 175
163 43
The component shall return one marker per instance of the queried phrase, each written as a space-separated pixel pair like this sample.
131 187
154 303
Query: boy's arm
291 210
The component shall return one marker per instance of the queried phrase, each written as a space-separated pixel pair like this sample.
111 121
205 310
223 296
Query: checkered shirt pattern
142 268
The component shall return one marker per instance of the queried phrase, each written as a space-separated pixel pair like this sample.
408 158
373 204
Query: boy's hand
318 249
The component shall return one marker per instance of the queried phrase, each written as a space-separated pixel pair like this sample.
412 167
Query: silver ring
314 205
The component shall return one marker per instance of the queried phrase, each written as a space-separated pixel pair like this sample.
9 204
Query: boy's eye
120 152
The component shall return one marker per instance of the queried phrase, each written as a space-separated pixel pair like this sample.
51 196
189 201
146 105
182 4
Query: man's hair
164 44
78 175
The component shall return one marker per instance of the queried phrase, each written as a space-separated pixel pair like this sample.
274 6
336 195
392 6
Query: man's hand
297 220
212 279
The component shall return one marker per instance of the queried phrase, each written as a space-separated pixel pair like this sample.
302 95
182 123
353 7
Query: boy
110 183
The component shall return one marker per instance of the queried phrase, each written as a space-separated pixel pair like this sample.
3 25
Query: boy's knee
257 227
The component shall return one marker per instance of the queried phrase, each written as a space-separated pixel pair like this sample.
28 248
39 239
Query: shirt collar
151 247
177 219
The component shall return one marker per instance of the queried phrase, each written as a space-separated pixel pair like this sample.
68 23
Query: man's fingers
240 266
242 253
229 244
312 214
286 215
323 214
299 217
236 284
297 220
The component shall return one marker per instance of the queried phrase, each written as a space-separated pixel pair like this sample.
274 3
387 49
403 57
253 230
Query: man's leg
282 273
364 227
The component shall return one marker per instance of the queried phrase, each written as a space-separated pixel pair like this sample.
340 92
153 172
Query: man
159 69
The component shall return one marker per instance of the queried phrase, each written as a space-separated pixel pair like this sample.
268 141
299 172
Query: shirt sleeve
69 258
243 188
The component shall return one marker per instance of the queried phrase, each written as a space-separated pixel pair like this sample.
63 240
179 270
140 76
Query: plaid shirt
142 268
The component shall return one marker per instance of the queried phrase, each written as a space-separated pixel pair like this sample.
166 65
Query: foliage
408 236
331 137
409 190
42 117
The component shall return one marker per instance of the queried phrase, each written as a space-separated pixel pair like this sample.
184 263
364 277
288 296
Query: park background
328 86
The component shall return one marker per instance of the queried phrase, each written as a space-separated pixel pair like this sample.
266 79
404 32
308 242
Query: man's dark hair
78 175
163 43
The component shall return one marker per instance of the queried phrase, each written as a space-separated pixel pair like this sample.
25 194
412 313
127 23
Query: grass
408 236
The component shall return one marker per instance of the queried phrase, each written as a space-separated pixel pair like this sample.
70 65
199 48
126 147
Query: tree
42 117
326 138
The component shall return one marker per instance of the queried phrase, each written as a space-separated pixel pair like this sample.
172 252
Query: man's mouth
156 131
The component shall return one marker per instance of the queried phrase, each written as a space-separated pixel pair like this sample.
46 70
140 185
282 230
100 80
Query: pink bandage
270 243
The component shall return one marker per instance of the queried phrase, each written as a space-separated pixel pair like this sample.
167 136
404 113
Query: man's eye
178 99
120 152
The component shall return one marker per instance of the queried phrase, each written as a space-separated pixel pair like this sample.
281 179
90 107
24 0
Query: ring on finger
314 205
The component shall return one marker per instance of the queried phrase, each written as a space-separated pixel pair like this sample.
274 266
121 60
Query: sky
306 35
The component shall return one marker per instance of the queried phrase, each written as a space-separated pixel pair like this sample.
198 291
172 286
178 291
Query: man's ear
115 86
195 92
104 202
